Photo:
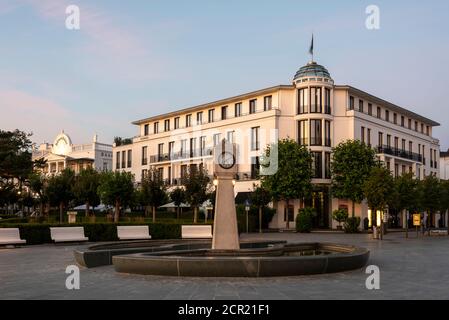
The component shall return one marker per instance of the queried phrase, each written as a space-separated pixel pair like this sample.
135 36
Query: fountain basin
279 259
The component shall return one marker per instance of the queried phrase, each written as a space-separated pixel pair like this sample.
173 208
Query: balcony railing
180 155
400 153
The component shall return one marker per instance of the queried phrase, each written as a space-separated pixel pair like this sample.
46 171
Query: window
188 120
217 139
388 141
202 145
327 165
156 127
387 116
129 158
303 99
238 109
183 171
230 136
395 118
160 151
255 138
255 165
267 103
317 166
362 135
123 159
396 170
146 129
422 127
428 130
416 125
193 152
144 156
117 160
167 125
403 145
410 124
169 175
315 133
210 115
396 143
327 101
199 118
361 106
410 146
368 137
402 121
327 133
303 133
315 100
431 158
379 113
252 106
183 150
370 109
171 149
224 112
381 139
160 173
351 103
176 123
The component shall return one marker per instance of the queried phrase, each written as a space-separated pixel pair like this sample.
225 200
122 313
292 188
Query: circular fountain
226 255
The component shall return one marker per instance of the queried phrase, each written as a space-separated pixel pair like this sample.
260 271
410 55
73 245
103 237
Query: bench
438 232
133 232
10 236
68 234
196 232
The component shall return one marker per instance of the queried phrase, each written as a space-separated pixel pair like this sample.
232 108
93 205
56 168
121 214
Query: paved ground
413 268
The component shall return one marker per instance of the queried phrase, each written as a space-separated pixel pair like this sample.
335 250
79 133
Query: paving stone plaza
409 269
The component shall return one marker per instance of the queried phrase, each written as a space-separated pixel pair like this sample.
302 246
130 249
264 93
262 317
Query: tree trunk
373 220
61 209
353 208
428 222
177 213
154 214
117 211
260 219
287 211
41 209
195 214
406 223
87 208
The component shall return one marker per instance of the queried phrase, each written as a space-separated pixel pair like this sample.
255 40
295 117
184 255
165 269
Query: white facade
444 165
63 154
313 110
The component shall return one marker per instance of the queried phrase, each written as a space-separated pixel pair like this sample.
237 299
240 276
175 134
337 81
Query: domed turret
312 69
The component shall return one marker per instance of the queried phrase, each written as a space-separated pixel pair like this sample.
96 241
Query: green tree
178 196
153 191
340 215
37 183
260 198
15 155
430 197
293 177
197 187
86 187
351 165
116 189
378 189
405 195
59 190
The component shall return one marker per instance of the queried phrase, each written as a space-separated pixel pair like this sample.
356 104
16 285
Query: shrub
340 216
304 220
267 216
352 225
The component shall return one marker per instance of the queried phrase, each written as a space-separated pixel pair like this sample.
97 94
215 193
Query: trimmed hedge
35 233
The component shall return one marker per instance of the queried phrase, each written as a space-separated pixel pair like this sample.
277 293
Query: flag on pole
311 48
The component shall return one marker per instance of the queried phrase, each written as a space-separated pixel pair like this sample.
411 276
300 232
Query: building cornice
221 102
389 105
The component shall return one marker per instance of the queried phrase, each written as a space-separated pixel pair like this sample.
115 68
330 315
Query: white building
312 110
63 154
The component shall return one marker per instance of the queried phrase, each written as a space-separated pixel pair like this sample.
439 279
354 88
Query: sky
135 59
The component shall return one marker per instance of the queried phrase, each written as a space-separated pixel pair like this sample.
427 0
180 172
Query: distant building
444 165
63 154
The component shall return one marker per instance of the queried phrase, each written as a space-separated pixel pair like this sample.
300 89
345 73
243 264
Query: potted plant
340 215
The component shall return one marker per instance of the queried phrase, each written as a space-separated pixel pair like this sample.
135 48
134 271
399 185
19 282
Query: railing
181 155
400 153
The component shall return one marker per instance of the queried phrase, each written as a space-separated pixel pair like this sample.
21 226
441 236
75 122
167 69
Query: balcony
181 155
400 153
